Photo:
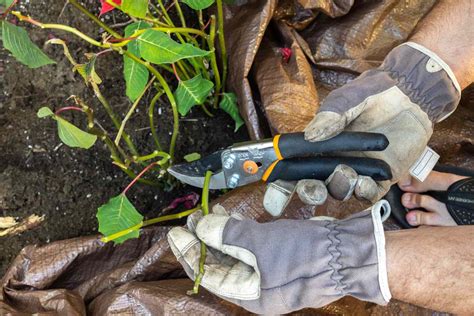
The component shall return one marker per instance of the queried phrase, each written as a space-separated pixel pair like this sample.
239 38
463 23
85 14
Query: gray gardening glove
403 98
287 265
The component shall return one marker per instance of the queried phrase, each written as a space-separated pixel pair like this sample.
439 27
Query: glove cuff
425 78
360 244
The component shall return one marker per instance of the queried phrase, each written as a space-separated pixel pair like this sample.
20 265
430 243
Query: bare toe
436 181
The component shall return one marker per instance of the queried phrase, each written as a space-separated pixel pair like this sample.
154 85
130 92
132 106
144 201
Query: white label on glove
423 166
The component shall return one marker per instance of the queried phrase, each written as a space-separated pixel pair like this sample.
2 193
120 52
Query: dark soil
39 176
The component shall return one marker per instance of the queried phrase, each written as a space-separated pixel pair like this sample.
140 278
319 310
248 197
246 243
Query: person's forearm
433 267
448 31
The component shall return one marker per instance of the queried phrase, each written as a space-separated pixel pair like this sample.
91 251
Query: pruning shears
285 157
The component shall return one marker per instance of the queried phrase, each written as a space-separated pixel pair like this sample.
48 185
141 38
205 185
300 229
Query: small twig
139 176
119 25
175 72
68 108
4 14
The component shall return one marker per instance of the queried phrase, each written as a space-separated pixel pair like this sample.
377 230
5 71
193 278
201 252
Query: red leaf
107 7
285 54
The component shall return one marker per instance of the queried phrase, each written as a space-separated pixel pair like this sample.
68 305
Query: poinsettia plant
155 48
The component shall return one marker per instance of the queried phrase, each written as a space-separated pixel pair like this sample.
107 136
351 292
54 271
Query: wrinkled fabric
340 38
142 276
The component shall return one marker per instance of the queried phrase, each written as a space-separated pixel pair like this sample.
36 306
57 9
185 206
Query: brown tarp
340 38
141 276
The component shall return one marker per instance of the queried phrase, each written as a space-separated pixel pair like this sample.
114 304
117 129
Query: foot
436 213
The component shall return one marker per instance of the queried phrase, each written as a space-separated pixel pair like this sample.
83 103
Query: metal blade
193 173
217 180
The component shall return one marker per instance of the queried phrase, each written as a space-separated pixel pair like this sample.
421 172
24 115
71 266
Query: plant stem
5 13
148 223
170 96
170 217
114 117
180 13
138 177
130 112
220 21
94 18
68 108
150 116
205 211
215 69
154 154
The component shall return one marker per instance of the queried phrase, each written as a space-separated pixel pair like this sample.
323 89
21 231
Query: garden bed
40 176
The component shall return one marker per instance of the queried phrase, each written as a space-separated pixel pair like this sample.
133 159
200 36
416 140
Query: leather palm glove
402 99
287 265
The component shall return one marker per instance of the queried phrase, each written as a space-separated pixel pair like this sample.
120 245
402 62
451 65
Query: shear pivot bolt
229 162
233 181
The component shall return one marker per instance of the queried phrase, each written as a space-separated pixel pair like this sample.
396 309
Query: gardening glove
287 265
402 99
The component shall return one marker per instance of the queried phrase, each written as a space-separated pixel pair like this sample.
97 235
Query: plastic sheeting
141 276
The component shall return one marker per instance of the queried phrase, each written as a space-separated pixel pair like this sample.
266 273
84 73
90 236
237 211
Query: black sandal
459 198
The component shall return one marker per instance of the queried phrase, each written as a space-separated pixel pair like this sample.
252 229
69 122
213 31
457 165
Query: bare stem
205 211
150 116
170 96
215 69
139 176
68 108
130 112
220 21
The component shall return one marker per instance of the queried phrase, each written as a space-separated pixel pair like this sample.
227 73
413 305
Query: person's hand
401 99
286 265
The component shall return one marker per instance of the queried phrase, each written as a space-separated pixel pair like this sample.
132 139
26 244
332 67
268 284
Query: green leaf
73 136
16 40
44 112
5 4
117 215
158 48
229 105
136 8
135 74
199 4
192 92
192 157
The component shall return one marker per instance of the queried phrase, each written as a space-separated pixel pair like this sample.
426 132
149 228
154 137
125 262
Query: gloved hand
286 265
403 98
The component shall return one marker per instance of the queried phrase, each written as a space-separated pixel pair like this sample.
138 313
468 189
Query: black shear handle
294 144
320 168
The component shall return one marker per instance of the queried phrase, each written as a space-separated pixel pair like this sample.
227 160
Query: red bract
286 54
107 7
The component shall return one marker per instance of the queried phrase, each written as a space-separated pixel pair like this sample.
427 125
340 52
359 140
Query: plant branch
139 176
150 116
170 96
215 69
220 22
205 211
68 108
130 112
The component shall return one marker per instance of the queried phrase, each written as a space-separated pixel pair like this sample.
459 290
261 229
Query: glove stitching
334 262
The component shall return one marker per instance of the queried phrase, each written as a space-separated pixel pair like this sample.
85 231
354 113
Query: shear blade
193 173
